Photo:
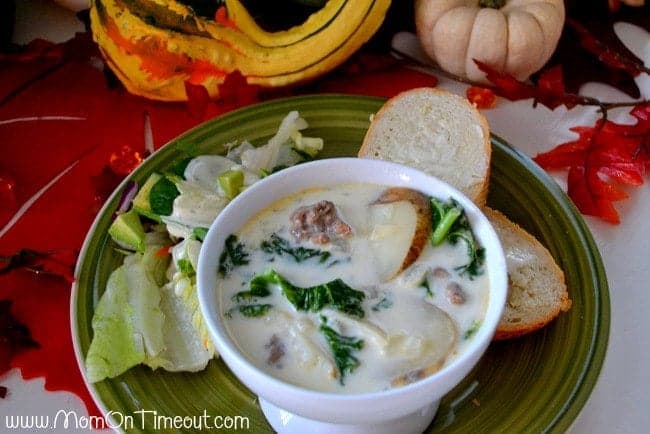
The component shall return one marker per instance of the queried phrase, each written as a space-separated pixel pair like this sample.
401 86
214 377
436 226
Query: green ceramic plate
537 383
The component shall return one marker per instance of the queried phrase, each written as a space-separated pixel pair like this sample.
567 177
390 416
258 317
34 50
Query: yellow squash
155 46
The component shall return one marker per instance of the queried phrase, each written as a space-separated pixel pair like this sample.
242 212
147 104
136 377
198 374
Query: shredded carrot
163 251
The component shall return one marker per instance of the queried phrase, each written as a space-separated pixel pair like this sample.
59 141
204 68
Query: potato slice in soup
400 225
423 353
392 226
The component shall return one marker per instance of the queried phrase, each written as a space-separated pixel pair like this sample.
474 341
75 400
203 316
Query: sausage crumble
318 223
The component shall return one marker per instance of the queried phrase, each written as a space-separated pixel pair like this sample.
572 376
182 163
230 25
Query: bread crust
506 330
480 196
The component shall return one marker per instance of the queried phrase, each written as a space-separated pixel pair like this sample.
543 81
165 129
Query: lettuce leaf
277 151
180 296
144 300
194 207
185 349
127 323
142 318
205 169
116 346
139 321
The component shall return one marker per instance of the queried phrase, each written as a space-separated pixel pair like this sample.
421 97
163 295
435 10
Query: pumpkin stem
494 4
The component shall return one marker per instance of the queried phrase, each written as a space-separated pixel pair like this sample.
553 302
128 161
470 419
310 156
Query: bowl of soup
350 295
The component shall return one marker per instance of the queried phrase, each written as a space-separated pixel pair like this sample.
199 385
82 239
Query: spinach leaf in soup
234 255
335 293
450 223
250 309
280 246
254 310
343 349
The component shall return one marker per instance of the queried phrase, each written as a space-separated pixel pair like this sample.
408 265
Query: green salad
149 313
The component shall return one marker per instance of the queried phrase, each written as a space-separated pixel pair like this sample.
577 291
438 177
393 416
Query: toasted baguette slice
536 289
435 131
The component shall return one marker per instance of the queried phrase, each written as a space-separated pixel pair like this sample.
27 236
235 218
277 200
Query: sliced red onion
128 194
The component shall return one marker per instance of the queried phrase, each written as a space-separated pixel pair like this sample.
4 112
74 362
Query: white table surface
620 402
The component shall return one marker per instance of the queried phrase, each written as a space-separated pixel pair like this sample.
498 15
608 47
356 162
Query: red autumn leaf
197 99
615 59
602 190
103 185
625 173
506 85
603 157
14 338
481 97
56 263
549 90
36 49
124 160
234 92
581 66
642 113
551 81
39 58
564 155
61 119
580 190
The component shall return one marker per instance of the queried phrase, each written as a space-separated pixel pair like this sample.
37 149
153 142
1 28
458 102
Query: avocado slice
231 181
141 203
127 231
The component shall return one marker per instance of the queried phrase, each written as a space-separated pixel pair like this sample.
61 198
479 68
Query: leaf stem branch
605 106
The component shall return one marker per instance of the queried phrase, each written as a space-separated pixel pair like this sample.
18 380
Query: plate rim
565 417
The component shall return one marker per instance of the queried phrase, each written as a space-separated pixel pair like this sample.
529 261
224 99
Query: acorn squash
155 46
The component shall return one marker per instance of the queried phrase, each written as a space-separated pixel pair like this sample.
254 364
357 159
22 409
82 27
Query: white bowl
290 408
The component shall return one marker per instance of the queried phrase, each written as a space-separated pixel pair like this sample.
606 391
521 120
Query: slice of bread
437 132
537 292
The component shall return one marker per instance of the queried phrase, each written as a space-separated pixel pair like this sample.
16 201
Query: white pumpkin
513 36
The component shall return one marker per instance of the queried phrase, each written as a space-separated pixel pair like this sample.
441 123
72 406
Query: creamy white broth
408 331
